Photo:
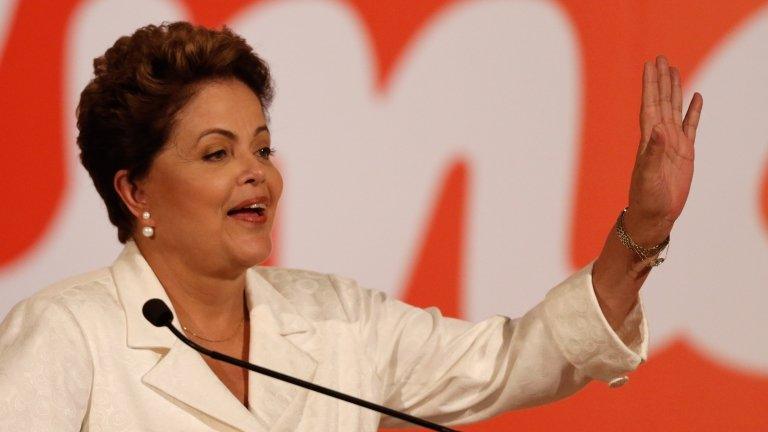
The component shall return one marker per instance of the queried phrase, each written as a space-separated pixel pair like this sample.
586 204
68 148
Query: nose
253 172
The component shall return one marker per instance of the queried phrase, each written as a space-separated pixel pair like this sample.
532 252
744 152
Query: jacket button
618 382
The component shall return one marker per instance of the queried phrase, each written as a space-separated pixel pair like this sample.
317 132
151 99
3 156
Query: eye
215 156
266 152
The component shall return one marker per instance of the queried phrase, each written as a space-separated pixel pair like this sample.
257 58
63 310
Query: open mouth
253 209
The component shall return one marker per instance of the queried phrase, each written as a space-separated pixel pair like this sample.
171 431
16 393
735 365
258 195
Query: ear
132 194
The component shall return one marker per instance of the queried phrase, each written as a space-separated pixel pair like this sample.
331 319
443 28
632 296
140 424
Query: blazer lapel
136 283
181 375
281 339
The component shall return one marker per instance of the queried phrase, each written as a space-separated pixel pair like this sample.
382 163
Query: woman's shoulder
46 361
80 295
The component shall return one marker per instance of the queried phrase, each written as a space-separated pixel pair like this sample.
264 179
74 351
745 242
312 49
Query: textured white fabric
80 356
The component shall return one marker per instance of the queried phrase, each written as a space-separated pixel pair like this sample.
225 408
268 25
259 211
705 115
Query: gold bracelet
643 253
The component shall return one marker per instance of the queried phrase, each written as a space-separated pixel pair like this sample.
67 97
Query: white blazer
79 355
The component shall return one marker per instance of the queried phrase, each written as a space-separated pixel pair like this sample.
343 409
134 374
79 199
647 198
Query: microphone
158 313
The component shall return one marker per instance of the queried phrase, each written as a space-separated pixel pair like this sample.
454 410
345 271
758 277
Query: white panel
494 82
499 83
714 285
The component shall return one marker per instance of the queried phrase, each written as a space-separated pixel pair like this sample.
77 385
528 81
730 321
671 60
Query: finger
665 89
691 122
649 109
650 86
677 96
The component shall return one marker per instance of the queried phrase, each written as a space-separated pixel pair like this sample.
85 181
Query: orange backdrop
679 388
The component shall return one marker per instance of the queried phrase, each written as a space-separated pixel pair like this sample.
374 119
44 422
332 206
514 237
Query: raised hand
663 169
661 180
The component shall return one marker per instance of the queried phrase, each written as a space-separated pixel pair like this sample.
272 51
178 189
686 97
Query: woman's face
213 190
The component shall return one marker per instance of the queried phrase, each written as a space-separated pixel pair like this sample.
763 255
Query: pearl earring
147 231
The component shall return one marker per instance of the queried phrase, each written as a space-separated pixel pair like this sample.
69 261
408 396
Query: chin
254 252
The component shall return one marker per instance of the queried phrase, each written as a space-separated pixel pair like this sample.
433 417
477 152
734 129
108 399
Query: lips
252 211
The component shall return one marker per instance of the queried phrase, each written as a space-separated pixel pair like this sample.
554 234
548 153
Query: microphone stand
306 384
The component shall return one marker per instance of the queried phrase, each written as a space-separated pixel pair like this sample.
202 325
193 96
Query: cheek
196 197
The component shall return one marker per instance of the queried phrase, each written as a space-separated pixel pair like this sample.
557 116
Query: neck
202 300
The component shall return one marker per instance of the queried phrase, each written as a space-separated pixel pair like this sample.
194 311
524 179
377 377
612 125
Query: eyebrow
229 134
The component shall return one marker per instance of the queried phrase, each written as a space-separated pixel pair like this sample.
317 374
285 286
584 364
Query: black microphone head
157 312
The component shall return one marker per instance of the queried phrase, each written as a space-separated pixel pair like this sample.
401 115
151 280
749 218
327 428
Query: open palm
663 170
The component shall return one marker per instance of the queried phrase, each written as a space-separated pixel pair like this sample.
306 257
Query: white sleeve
452 371
45 368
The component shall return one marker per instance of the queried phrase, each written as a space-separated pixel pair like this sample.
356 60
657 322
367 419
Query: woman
173 132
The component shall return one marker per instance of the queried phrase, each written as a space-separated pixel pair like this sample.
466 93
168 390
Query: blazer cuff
584 336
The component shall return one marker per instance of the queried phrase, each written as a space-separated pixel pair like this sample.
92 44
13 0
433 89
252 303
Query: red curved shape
678 390
33 180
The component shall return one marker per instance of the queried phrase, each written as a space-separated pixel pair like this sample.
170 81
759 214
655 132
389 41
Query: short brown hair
127 111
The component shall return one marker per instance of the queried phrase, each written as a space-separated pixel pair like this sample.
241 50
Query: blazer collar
281 339
136 283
